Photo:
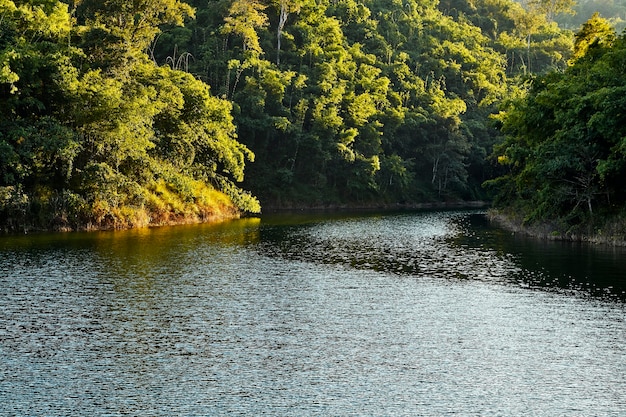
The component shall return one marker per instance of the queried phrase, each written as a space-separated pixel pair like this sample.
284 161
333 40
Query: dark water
413 314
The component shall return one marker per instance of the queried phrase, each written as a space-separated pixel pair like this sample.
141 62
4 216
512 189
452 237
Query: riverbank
612 232
123 218
437 205
141 217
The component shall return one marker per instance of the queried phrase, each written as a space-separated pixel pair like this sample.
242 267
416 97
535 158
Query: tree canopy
375 101
566 138
119 113
93 134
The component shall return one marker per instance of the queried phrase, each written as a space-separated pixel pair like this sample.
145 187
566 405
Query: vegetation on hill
565 149
124 114
364 102
94 134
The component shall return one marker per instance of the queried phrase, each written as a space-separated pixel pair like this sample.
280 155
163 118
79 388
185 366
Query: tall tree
243 20
552 7
136 23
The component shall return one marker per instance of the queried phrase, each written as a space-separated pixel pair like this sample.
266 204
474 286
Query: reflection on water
408 314
465 246
395 244
586 269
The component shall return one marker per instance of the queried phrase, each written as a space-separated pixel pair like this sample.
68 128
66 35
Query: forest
119 114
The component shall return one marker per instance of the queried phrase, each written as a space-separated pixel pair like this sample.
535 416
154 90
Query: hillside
117 115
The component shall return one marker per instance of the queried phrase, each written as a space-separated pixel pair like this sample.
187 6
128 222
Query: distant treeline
614 11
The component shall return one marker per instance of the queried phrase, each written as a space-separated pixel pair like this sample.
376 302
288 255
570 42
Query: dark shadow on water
591 269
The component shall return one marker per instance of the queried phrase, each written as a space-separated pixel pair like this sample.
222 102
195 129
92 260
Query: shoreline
552 231
63 226
450 205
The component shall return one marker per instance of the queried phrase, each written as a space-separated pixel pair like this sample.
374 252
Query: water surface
384 315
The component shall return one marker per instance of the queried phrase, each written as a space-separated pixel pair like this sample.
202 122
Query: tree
595 32
551 8
243 20
286 7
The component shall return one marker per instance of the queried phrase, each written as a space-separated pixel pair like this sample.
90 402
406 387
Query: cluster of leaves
565 151
527 36
379 100
92 132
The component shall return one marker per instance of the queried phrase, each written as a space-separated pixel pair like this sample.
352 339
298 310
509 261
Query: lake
371 314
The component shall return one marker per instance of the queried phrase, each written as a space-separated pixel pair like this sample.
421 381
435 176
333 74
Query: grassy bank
158 205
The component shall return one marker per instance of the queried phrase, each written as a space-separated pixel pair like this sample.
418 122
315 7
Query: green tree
134 23
551 8
564 146
245 17
595 32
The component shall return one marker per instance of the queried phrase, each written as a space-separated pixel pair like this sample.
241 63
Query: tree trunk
282 20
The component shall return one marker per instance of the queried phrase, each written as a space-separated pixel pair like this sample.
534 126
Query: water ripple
403 315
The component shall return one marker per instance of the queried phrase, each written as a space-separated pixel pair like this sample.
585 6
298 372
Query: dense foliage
119 114
94 134
566 139
366 102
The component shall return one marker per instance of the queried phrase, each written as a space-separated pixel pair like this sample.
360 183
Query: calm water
413 314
